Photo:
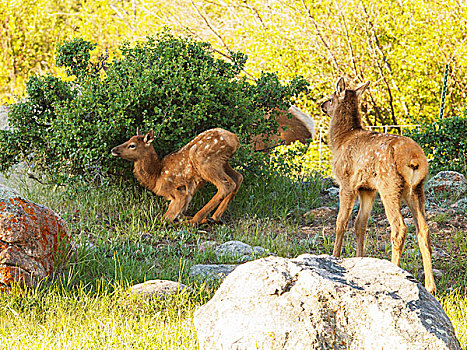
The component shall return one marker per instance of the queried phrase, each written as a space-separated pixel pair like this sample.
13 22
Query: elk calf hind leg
414 201
225 185
392 208
346 201
367 198
238 179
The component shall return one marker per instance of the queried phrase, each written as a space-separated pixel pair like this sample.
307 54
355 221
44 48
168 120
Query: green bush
444 143
170 84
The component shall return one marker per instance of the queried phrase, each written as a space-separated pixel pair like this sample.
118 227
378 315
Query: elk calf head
135 148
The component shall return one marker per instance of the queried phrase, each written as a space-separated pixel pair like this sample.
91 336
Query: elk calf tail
411 162
414 179
304 118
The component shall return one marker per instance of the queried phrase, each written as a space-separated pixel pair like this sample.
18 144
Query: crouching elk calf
179 175
365 162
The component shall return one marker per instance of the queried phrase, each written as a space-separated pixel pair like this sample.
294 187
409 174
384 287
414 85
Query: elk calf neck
365 162
179 175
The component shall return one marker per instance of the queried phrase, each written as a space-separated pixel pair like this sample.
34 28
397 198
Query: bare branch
209 25
318 33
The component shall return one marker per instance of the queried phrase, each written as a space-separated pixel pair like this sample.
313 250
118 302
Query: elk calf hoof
211 221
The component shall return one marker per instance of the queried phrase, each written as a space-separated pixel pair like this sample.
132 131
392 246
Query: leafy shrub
170 84
444 143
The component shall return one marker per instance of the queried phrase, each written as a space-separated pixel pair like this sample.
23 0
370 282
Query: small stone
211 272
460 206
408 222
260 251
158 288
235 250
448 183
438 274
439 253
383 222
321 213
333 191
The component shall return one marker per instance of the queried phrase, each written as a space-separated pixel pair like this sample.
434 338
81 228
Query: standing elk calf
179 175
366 162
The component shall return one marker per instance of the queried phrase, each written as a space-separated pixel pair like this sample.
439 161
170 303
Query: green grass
122 240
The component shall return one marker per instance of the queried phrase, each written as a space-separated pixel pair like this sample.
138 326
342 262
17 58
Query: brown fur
179 175
365 162
300 127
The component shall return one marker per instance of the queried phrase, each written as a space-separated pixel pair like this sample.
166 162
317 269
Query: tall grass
121 240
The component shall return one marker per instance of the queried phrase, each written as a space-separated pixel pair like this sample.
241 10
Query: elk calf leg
392 207
346 201
238 179
175 208
367 198
423 237
225 185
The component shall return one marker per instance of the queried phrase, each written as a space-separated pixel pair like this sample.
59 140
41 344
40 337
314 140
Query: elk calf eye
131 146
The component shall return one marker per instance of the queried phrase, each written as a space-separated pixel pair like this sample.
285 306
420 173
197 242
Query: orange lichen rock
32 240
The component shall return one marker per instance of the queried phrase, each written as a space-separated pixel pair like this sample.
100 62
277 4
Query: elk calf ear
361 89
149 137
340 86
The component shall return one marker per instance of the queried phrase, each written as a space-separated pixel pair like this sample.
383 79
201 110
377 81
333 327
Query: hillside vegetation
401 46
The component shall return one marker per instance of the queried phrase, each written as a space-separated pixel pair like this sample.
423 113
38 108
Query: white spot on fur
215 141
166 171
221 138
207 146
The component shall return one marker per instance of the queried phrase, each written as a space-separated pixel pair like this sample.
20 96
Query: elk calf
179 175
365 162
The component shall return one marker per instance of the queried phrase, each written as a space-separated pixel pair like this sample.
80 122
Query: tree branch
318 33
209 25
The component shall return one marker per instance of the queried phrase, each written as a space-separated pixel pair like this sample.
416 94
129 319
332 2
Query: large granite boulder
33 239
320 302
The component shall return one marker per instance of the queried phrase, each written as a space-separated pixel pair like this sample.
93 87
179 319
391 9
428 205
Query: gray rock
460 206
321 213
260 251
158 288
408 222
235 251
320 302
333 191
449 183
439 253
211 272
4 110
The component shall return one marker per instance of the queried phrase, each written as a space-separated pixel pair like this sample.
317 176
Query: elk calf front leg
175 208
346 201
